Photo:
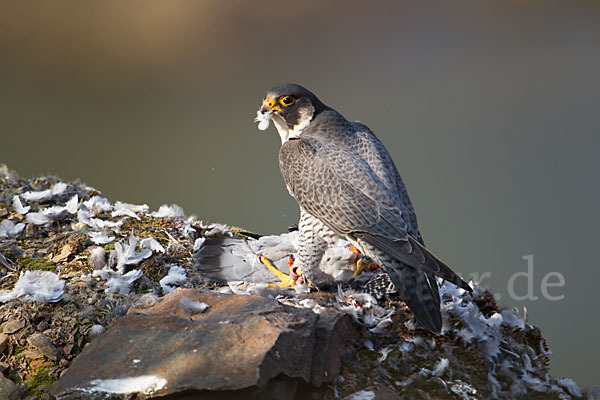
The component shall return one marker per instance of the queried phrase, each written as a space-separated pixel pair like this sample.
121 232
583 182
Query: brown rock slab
32 353
241 347
333 331
44 345
12 326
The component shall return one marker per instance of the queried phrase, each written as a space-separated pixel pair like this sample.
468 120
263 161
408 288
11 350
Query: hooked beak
270 105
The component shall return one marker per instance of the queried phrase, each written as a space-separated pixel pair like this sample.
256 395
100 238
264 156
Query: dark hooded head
292 108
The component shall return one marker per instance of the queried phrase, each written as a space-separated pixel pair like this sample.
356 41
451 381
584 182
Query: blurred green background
490 109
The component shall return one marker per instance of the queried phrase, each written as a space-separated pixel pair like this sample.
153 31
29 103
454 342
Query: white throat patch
285 133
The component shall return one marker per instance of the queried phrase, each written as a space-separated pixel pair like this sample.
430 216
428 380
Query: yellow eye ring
286 101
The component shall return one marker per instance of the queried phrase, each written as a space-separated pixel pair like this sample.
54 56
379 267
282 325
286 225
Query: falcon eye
287 101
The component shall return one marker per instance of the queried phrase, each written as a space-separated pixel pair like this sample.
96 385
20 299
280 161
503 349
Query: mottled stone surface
45 346
242 345
12 326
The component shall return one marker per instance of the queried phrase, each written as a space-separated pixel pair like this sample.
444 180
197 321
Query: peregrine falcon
346 184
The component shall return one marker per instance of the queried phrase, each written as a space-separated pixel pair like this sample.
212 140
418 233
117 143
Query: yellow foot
360 264
286 280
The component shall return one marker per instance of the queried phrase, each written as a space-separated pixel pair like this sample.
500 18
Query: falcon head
291 107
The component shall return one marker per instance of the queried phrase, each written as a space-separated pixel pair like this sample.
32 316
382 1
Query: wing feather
414 254
342 190
339 188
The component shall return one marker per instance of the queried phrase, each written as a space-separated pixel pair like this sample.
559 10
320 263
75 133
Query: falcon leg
313 239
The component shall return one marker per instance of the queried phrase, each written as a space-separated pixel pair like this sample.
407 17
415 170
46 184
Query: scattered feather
384 353
298 289
192 307
198 243
175 277
38 196
440 368
571 386
95 331
127 255
96 223
97 258
406 382
187 228
96 205
100 238
263 119
236 289
362 395
218 229
115 282
166 211
18 206
152 244
54 213
72 205
58 188
38 218
533 382
9 229
38 285
512 319
129 210
464 390
45 195
6 263
102 224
